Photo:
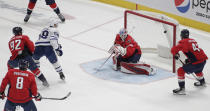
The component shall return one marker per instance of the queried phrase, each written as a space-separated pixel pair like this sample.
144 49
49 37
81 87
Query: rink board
107 73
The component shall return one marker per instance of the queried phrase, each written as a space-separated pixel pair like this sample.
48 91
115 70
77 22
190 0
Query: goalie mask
123 34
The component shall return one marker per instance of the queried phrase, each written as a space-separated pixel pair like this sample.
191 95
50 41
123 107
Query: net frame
157 20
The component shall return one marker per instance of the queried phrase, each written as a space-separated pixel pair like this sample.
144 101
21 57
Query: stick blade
58 98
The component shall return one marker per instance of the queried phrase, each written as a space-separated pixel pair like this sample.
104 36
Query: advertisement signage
198 10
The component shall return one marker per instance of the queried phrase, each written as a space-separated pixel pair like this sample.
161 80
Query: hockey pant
49 53
191 68
28 106
32 66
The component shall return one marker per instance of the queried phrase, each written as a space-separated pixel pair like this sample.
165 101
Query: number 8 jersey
190 48
22 85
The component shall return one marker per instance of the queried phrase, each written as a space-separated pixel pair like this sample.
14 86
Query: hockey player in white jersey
48 45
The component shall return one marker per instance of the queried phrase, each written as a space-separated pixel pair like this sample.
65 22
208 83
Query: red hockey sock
37 72
181 73
53 6
199 75
31 5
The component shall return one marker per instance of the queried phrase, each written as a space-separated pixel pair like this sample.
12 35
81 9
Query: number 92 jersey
22 85
18 43
48 36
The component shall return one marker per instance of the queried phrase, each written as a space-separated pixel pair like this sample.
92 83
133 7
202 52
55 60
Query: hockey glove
120 50
177 56
2 95
38 97
111 49
187 61
59 50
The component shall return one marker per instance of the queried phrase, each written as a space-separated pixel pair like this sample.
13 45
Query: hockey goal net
154 33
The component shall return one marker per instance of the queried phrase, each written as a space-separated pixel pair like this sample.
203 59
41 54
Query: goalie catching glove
117 49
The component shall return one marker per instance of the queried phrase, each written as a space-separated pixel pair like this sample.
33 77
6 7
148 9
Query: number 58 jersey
22 85
190 48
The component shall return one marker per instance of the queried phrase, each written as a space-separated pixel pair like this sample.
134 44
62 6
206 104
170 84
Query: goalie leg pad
133 68
116 65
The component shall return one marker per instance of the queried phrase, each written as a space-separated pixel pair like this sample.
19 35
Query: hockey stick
58 98
103 63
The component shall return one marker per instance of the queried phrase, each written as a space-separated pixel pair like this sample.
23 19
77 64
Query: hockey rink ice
86 36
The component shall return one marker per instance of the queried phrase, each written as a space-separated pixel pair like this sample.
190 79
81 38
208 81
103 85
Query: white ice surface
86 35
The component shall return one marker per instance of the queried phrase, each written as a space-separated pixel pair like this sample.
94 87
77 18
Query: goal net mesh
154 32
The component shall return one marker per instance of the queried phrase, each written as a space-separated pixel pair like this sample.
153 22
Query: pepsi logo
182 5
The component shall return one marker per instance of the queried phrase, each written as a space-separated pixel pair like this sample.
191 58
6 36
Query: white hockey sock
57 67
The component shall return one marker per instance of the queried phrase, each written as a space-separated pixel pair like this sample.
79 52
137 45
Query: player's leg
51 56
116 62
181 82
38 53
135 68
134 59
55 8
9 106
36 71
30 8
199 74
29 106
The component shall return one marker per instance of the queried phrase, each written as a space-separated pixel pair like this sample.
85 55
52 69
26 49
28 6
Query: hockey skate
152 71
179 91
62 76
200 83
44 81
27 18
61 17
197 84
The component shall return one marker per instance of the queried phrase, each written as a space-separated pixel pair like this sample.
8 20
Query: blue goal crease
107 73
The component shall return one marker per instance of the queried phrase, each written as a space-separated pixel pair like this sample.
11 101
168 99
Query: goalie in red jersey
21 47
127 55
195 62
22 87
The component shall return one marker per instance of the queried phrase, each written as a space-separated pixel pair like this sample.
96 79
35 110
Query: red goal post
157 19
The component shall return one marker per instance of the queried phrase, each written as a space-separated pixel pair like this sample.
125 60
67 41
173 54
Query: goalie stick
58 98
103 63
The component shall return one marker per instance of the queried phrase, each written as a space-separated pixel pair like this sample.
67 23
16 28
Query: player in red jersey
51 3
127 55
195 62
22 47
22 87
